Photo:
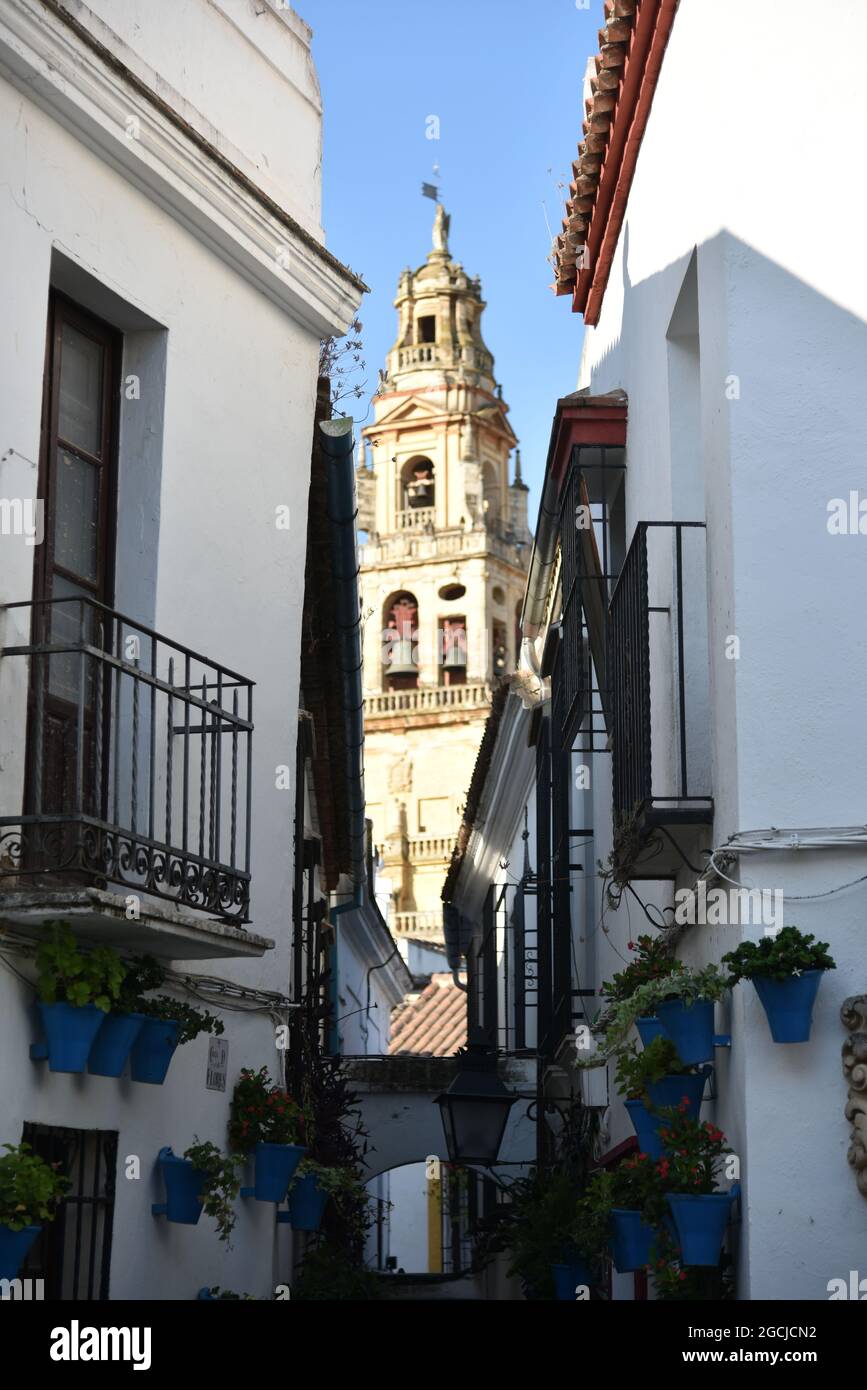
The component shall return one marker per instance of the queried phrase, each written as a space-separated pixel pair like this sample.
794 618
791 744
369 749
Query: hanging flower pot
567 1278
14 1247
307 1202
670 1091
701 1221
786 968
69 1031
153 1050
113 1042
631 1240
690 1028
789 1004
648 1029
646 1126
275 1168
184 1185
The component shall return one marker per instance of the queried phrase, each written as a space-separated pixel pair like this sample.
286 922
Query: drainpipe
337 447
541 565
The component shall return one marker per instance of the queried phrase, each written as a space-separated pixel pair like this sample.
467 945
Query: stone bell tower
442 575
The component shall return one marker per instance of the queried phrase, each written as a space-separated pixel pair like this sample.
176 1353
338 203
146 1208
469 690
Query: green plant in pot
122 1027
221 1183
653 960
693 991
652 1080
633 1201
538 1226
30 1189
688 1175
786 969
311 1187
268 1123
76 989
675 1282
168 1023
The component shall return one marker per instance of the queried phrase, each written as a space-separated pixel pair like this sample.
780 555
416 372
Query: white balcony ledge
100 918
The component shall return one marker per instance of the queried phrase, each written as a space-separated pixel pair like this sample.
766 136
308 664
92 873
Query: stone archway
396 1098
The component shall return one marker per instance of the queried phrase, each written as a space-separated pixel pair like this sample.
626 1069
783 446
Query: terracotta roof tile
433 1023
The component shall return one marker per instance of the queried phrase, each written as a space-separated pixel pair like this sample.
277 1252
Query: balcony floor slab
100 917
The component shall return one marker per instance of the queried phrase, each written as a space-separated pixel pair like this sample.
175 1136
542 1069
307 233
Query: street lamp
476 1106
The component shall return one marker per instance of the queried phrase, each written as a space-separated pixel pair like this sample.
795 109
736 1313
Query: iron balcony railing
658 676
138 761
591 512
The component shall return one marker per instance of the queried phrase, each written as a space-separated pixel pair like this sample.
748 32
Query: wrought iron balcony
658 676
137 769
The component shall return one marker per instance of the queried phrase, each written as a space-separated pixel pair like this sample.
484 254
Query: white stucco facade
740 344
775 430
116 192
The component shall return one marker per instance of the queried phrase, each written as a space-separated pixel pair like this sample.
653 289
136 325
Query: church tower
442 576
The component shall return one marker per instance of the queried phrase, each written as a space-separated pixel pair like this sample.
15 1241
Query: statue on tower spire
441 225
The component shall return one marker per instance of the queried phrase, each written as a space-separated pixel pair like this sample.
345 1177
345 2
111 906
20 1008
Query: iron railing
138 762
658 676
503 967
72 1254
591 552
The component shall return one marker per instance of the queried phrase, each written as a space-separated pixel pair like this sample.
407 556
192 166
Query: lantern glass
474 1125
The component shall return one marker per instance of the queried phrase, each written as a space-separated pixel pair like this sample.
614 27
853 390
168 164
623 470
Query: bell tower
443 570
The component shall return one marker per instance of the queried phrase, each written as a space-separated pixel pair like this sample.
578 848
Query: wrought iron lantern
476 1106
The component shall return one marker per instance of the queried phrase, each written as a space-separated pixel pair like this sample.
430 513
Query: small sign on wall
218 1064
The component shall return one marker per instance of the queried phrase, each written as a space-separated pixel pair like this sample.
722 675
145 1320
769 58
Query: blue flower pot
789 1004
111 1048
153 1050
205 1296
567 1277
184 1183
672 1089
69 1032
646 1126
631 1240
701 1221
648 1029
662 1094
14 1246
307 1202
275 1167
689 1027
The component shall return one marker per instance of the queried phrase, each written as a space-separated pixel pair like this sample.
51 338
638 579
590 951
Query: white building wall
782 349
238 375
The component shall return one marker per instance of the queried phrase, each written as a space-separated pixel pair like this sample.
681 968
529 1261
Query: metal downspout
337 448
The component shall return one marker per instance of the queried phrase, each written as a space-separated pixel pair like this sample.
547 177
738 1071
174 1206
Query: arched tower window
400 642
500 662
418 489
453 650
491 496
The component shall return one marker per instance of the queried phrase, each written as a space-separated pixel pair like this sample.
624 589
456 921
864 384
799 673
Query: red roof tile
433 1023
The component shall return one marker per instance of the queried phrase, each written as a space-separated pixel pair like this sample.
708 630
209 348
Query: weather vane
430 190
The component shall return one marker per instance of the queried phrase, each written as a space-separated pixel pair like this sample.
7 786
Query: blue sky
505 79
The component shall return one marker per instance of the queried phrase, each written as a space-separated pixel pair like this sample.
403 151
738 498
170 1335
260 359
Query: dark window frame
91 1251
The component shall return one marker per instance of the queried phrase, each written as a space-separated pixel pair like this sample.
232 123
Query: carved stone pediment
854 1016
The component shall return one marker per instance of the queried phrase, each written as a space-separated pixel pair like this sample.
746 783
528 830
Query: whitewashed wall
782 310
230 398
